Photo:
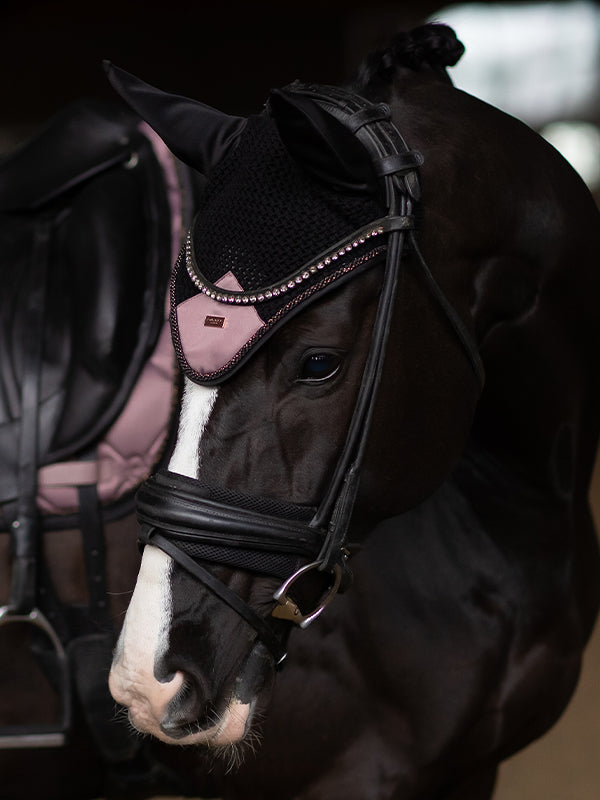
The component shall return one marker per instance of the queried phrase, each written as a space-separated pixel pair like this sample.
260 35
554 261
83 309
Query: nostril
190 711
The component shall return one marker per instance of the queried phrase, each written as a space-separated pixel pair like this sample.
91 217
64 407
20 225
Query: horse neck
502 216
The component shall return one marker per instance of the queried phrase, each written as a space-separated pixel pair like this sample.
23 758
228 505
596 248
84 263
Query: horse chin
229 729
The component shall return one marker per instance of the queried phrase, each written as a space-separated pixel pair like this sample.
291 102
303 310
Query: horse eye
319 367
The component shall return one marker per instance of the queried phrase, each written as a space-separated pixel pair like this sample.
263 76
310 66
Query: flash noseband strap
265 634
182 516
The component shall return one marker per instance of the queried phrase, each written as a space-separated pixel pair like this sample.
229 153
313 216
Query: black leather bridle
192 522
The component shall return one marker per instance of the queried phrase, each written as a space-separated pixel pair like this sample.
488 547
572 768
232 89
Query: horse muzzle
184 709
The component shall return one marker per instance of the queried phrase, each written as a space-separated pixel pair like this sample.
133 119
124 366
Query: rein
190 521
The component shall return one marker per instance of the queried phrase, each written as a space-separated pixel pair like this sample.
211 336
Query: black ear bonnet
279 224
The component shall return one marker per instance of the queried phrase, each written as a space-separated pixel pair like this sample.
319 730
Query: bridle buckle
287 609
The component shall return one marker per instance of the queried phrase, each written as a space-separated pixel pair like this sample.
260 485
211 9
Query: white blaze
196 405
145 634
143 639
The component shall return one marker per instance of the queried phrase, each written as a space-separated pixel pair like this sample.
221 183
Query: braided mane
432 47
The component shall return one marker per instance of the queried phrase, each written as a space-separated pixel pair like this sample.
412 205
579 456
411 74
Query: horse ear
322 144
196 133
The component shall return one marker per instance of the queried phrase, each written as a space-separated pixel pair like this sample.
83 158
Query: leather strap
266 635
338 501
460 329
94 551
277 565
172 503
368 115
398 164
25 528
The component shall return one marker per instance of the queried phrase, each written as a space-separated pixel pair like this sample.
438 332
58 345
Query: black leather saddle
84 240
87 230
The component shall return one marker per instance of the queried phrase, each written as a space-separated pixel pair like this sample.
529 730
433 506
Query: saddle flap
80 141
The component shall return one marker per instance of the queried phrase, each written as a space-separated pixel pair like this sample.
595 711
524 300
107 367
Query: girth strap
94 552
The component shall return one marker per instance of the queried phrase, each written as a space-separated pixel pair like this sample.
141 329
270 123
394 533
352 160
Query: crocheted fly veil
299 198
268 238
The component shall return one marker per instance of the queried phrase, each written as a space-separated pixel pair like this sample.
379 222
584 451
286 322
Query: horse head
330 358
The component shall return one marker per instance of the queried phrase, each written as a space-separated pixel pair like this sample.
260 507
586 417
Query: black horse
335 418
475 559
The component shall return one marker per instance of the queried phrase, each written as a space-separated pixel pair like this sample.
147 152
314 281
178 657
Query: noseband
193 522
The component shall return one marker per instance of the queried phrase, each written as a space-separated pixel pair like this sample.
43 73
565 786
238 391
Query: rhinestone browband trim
339 250
294 300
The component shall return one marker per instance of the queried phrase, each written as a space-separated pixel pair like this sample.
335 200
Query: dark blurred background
227 53
539 61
